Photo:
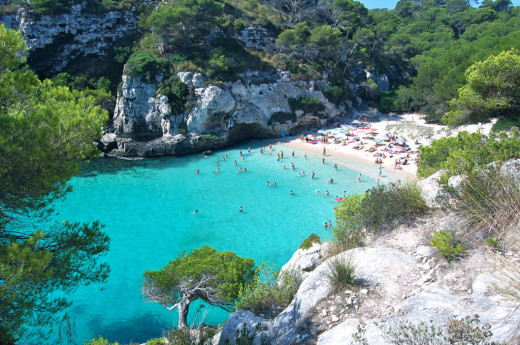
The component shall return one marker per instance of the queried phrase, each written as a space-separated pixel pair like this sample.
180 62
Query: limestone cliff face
55 41
226 113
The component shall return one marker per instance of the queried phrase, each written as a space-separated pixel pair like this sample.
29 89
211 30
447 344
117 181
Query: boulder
431 190
304 261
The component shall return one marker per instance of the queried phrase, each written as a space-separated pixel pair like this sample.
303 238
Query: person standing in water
241 209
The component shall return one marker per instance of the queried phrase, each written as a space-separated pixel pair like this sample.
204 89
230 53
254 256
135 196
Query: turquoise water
147 208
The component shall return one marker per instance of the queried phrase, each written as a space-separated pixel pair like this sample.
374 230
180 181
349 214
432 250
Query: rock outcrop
54 41
257 106
399 280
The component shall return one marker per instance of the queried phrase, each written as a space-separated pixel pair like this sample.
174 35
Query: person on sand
324 151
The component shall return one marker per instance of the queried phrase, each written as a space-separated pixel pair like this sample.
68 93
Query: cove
147 208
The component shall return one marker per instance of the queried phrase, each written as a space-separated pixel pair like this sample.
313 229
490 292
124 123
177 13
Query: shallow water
147 208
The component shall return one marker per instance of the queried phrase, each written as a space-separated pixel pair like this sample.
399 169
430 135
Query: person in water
241 209
197 171
291 192
196 211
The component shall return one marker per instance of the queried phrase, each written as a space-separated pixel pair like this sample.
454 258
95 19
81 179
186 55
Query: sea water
147 208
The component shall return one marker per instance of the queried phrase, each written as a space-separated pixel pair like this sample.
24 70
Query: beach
392 140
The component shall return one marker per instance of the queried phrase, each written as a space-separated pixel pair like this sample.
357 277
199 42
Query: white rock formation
304 261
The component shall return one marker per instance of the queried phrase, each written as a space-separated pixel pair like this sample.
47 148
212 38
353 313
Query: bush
341 273
338 94
386 206
489 203
190 336
145 64
467 152
99 341
348 233
156 341
272 289
447 245
309 241
467 330
307 104
505 124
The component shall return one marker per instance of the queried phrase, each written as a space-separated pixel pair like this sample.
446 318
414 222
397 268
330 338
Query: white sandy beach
376 136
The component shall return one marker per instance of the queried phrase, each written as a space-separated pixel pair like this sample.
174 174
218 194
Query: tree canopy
204 273
44 131
492 89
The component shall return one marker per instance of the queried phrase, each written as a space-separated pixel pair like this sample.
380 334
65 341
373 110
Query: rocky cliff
256 106
55 41
400 280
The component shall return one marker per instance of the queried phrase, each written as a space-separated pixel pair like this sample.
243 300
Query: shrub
190 336
505 124
145 64
338 94
492 243
99 341
348 232
309 241
447 245
467 330
270 289
156 341
386 206
307 104
341 273
488 201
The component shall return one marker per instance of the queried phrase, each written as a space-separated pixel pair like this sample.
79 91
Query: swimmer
305 156
331 180
312 175
245 169
330 223
241 154
335 166
197 171
248 150
196 211
216 163
292 166
291 192
274 185
327 193
281 153
268 184
284 167
218 170
326 225
243 158
238 171
319 192
241 209
293 153
344 194
278 157
235 163
359 178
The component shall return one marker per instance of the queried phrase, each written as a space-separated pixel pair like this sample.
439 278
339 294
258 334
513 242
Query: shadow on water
137 329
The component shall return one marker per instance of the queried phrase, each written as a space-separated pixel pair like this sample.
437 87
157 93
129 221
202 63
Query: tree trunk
183 308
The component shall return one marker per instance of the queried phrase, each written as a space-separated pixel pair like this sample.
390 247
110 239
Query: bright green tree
492 90
44 131
204 273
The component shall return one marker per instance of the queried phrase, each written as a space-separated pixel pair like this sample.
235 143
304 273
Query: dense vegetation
44 131
425 48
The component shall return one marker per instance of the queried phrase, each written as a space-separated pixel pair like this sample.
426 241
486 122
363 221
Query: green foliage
505 124
492 90
307 104
45 130
99 341
156 341
145 64
337 94
467 330
447 245
386 206
348 233
270 289
309 241
492 243
341 273
489 202
467 152
281 117
215 277
185 336
103 84
177 93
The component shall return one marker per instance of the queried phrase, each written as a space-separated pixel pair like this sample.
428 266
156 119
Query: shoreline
351 161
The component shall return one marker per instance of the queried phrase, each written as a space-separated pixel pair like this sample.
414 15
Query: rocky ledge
399 279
